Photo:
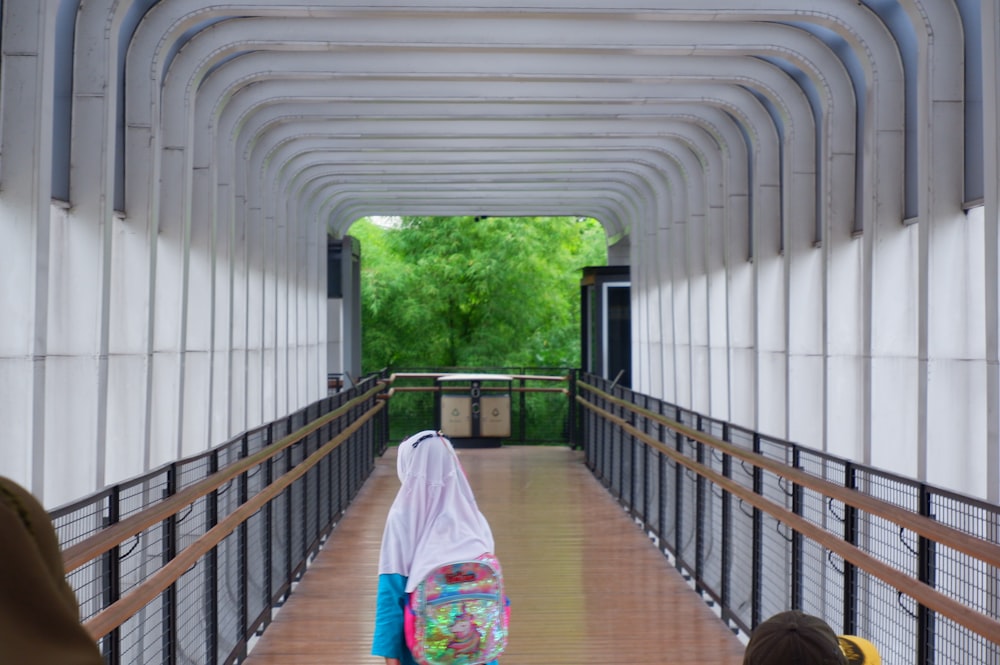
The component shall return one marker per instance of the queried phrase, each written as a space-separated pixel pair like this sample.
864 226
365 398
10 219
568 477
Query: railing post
661 479
111 571
289 491
632 457
850 572
268 530
678 495
523 420
699 511
725 591
212 570
243 556
571 424
927 564
169 609
797 557
645 467
758 542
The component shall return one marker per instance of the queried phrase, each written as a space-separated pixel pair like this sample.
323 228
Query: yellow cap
858 650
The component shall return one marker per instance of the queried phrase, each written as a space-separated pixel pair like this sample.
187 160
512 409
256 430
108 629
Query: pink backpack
458 615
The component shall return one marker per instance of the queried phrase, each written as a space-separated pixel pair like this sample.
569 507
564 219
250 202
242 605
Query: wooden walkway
586 585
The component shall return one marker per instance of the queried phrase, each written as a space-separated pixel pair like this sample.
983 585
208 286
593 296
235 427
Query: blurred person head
797 638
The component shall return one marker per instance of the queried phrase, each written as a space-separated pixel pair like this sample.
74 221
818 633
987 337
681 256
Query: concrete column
238 320
804 263
717 290
222 303
647 366
951 442
254 315
680 298
26 90
197 390
769 291
991 228
701 375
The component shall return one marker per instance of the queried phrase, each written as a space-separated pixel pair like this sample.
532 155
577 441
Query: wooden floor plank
586 586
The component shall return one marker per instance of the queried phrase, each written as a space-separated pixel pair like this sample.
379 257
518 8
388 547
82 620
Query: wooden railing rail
87 550
119 612
982 550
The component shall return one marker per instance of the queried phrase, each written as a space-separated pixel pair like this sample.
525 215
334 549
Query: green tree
474 292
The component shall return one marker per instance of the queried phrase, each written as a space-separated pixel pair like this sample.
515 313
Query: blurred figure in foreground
39 613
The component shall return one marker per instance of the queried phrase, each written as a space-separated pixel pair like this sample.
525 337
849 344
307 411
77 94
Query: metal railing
185 564
540 405
760 525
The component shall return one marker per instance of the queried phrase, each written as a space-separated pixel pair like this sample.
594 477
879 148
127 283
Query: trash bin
474 409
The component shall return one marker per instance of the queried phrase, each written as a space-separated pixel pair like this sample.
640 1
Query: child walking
434 520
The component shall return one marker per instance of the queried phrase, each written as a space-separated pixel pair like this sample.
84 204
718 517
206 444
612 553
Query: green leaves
474 292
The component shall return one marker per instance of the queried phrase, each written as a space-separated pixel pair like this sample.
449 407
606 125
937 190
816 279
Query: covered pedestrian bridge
804 194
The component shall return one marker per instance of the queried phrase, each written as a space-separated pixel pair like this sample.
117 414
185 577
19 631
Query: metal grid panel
258 440
229 597
258 590
823 574
297 492
325 481
717 511
713 528
688 506
194 610
653 491
190 471
888 619
339 488
311 492
145 553
607 449
668 501
79 521
776 537
740 536
627 461
965 579
954 645
141 636
258 544
614 456
280 525
885 614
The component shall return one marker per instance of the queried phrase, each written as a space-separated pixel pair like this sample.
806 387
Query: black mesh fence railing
752 563
536 417
215 607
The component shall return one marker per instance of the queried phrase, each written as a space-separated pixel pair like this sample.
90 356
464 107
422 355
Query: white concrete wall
777 283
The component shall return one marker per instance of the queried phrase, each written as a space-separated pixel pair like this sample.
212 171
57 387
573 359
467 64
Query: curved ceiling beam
855 25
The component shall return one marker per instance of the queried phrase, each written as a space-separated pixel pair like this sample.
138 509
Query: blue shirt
390 640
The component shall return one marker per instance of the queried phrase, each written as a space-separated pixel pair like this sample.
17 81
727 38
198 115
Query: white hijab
434 519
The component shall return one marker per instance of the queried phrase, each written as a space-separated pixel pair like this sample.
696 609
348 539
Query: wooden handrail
974 621
119 612
491 389
433 389
90 548
434 375
924 526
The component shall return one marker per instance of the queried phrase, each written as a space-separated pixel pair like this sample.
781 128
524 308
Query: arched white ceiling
560 108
